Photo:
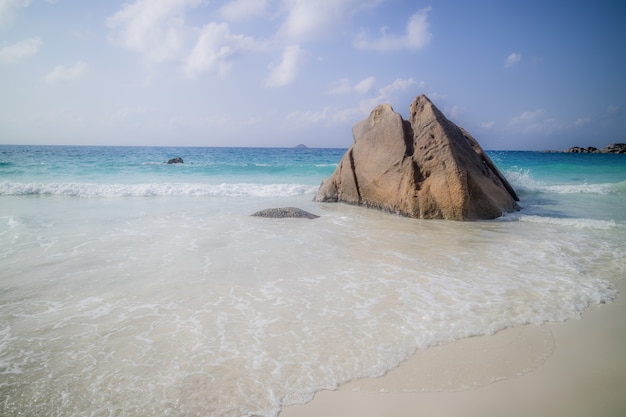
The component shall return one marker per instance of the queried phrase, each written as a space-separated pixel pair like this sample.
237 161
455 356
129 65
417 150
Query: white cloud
512 59
155 28
398 84
528 116
365 85
214 47
452 112
343 86
488 125
327 116
581 121
331 115
63 73
416 37
8 9
307 19
11 54
286 72
537 122
238 10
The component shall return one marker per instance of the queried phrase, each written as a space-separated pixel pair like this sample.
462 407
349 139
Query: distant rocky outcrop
613 148
426 167
578 149
301 146
284 212
177 160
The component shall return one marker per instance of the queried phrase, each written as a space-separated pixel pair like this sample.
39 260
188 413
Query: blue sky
516 74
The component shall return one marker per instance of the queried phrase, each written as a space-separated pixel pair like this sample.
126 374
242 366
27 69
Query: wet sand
576 368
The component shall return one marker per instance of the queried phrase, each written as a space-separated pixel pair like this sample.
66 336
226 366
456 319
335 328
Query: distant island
614 148
301 146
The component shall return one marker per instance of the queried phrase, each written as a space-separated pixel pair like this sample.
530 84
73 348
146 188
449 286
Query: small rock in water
177 160
284 212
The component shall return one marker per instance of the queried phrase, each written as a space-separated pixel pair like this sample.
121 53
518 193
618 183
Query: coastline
575 368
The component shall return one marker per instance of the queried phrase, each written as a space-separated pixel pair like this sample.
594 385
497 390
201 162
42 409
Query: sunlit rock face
426 167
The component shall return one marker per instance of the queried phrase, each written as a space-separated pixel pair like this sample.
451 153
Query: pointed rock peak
379 113
423 108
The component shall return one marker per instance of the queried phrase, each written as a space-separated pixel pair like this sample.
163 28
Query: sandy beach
576 368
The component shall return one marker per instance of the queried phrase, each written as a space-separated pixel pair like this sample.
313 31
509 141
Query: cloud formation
238 10
63 73
214 48
310 20
154 28
331 115
417 36
540 122
8 9
365 85
160 31
512 59
344 86
11 54
285 73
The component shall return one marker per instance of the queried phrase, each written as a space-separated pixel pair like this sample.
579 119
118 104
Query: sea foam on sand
573 369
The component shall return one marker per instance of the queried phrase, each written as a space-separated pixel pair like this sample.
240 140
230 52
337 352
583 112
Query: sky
518 75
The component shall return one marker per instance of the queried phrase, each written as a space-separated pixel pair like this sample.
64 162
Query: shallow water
178 302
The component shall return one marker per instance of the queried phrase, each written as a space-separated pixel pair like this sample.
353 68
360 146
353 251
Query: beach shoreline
575 368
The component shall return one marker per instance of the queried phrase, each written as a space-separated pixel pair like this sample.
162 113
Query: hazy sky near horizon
515 74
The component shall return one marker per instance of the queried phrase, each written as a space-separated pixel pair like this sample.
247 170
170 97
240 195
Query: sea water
130 287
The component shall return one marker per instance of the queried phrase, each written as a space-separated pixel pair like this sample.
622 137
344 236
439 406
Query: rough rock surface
177 160
613 148
426 167
282 212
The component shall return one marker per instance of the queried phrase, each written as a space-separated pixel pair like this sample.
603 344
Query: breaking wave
579 223
156 190
522 180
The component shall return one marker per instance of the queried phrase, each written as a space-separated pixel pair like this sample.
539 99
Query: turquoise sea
130 287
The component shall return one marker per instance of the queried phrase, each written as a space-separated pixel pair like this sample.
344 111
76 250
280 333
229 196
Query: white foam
578 223
156 189
184 312
524 181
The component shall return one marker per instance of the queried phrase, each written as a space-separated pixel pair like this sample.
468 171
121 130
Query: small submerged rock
284 212
177 160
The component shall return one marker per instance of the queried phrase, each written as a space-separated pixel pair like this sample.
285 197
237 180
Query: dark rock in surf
285 212
177 160
426 167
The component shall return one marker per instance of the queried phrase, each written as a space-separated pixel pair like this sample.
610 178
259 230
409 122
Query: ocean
130 287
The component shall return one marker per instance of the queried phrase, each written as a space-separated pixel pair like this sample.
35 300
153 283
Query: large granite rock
426 167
